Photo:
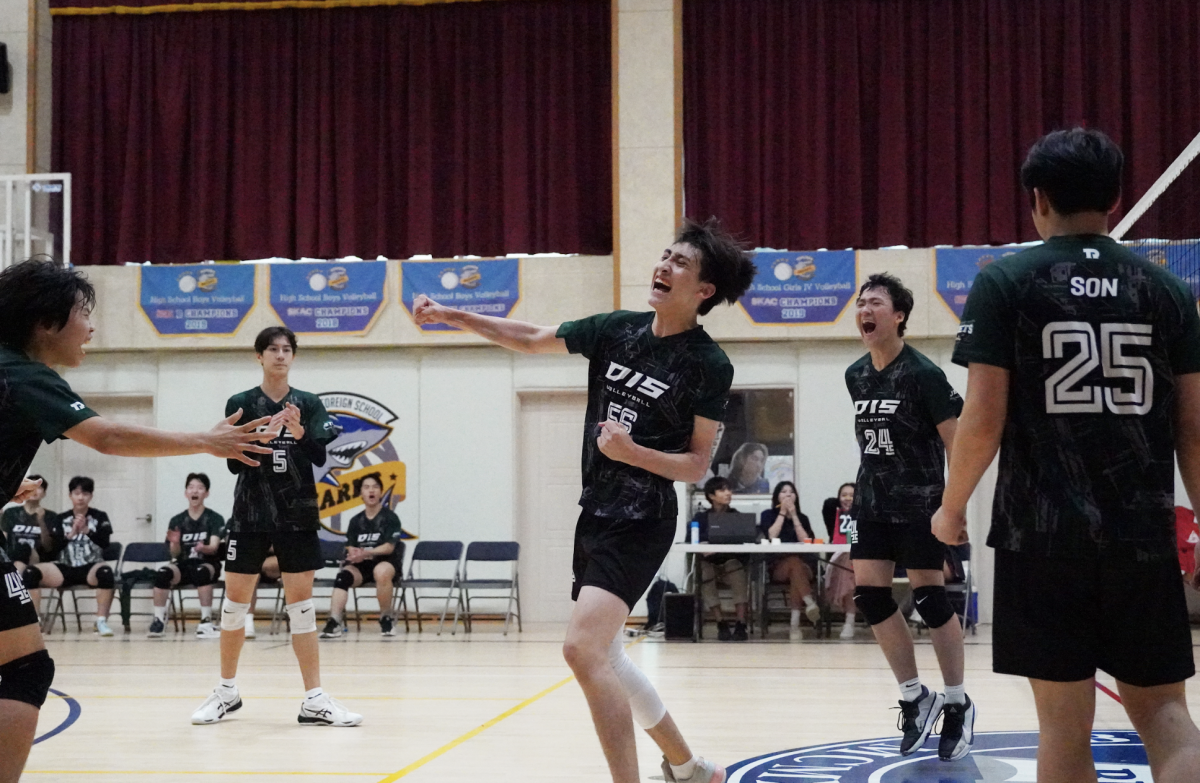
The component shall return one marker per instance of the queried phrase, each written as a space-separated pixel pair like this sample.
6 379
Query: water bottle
695 535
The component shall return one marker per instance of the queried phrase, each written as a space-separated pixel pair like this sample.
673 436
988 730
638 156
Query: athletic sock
912 690
795 622
227 690
205 614
314 693
849 618
160 613
684 770
808 600
956 694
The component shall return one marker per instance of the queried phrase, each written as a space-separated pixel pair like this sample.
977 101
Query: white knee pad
233 615
648 710
303 617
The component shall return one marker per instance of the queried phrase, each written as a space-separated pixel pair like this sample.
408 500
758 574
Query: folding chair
397 561
143 553
492 552
112 553
426 552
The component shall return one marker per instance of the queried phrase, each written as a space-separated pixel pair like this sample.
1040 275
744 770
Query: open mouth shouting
660 286
867 327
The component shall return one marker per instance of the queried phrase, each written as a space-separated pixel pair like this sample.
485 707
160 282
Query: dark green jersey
1093 337
86 548
36 405
896 414
652 386
367 533
197 531
22 531
280 495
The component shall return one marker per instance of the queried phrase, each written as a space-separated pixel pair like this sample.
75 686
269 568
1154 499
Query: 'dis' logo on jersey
882 407
362 447
630 379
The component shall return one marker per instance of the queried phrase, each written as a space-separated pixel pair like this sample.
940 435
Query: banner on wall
486 286
200 299
801 288
363 446
328 298
1181 257
955 269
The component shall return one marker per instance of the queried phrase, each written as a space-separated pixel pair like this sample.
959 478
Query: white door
124 485
551 435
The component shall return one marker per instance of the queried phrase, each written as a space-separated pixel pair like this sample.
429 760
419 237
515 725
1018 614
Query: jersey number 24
1065 390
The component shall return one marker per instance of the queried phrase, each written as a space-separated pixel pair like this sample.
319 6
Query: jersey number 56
1065 390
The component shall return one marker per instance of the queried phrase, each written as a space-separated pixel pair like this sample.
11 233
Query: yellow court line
473 733
348 697
480 729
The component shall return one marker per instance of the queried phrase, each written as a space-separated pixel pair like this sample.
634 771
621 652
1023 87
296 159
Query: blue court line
72 716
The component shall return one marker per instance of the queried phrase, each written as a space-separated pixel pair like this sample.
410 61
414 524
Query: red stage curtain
867 123
462 128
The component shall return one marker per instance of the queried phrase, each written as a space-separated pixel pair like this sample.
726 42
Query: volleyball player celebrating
657 389
1084 371
905 416
47 319
275 505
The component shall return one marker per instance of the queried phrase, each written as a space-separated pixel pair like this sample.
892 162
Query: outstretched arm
691 465
976 438
515 335
130 440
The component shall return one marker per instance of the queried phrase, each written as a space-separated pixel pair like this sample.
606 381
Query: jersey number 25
1065 390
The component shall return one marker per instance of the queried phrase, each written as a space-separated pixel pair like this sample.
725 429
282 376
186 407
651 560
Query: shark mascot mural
363 446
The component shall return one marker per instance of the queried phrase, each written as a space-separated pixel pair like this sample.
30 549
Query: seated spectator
839 577
268 575
195 540
21 526
371 540
727 569
746 470
784 521
77 539
1187 536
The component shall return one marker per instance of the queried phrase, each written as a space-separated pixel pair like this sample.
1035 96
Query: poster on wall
756 447
954 271
486 286
196 299
1180 256
801 288
329 297
363 446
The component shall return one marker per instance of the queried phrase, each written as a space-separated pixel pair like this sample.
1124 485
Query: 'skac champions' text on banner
800 288
485 286
201 299
329 297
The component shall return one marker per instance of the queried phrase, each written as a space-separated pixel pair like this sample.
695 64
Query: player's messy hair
269 335
39 292
201 477
724 261
902 298
1078 170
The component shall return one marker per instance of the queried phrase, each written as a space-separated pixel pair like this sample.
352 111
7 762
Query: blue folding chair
433 552
493 552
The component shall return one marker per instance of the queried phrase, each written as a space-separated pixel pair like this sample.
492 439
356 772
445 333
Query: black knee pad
105 579
344 580
933 605
876 603
31 578
162 580
204 575
27 679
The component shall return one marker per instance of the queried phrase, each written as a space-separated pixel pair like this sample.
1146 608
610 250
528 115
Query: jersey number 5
279 458
1065 390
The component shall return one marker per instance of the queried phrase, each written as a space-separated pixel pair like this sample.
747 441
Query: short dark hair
850 484
201 477
268 336
714 484
39 292
81 482
375 476
36 477
1078 170
724 261
902 298
779 488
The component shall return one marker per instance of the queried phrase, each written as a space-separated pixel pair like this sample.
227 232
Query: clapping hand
288 417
